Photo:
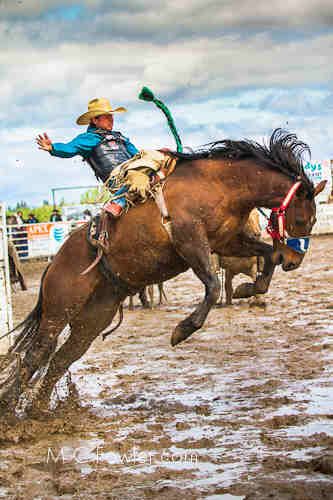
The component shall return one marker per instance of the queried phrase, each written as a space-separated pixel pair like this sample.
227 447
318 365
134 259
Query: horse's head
300 218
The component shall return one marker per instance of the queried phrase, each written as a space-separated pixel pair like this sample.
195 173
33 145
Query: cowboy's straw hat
98 107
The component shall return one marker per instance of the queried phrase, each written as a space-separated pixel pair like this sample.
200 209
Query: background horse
148 303
15 267
209 197
251 266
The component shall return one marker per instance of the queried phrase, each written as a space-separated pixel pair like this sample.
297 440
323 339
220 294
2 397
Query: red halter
276 226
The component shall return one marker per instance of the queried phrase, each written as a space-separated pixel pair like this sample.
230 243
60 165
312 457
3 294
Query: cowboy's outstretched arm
44 142
80 145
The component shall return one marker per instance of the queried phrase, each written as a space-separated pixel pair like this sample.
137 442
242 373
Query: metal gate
6 316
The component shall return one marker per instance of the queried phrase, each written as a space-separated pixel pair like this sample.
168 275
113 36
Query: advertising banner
318 171
45 238
58 233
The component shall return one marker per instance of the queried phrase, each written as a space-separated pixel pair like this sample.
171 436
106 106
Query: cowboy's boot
113 208
157 177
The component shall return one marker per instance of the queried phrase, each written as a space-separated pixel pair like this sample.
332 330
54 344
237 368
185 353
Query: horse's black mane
283 153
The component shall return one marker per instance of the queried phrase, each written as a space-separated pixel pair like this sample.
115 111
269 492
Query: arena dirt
242 410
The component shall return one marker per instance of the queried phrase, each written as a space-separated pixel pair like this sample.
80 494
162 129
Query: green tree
90 196
42 213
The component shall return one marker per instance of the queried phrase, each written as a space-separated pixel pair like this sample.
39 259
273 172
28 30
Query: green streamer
147 95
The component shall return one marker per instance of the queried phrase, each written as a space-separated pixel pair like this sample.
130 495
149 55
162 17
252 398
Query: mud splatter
242 410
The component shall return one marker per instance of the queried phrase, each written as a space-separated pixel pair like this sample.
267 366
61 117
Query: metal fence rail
6 316
40 240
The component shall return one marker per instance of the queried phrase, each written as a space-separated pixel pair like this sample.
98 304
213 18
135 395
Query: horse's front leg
261 284
264 279
192 245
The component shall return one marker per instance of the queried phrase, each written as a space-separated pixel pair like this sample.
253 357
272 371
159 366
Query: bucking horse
209 198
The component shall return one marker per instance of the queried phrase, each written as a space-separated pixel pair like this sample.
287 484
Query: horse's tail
31 323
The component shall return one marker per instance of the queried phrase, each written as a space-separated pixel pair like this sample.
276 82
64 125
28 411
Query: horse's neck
261 186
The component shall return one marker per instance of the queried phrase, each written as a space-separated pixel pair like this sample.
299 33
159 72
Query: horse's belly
146 257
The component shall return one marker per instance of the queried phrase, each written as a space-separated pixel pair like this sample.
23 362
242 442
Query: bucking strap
158 196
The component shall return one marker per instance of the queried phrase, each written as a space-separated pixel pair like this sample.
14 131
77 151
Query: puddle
305 453
224 496
321 426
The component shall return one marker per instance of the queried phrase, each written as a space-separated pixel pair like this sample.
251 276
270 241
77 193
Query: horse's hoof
244 291
257 302
179 334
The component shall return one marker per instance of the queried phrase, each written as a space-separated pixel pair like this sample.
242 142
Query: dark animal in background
148 303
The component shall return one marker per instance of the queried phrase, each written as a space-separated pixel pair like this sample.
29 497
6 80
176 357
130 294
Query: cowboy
112 156
100 146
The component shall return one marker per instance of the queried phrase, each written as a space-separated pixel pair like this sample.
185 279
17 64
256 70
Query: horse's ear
318 189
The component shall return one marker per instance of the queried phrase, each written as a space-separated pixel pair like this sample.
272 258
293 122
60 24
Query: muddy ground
242 410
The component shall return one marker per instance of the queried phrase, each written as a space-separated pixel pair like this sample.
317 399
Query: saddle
139 174
139 191
142 185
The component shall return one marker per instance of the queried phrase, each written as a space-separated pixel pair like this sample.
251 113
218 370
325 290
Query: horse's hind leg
162 294
228 286
150 289
22 281
22 364
61 299
192 244
87 325
63 293
37 354
146 304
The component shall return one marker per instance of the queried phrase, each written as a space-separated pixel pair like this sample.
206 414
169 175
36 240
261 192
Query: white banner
318 171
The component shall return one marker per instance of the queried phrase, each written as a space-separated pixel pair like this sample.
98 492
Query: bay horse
209 197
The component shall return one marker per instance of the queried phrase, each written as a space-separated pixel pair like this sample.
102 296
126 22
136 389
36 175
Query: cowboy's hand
138 183
44 142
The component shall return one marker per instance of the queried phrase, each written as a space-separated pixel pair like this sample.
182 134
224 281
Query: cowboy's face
104 122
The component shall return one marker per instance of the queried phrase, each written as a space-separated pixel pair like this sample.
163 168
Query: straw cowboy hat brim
98 107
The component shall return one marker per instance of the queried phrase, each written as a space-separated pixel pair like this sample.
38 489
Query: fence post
6 315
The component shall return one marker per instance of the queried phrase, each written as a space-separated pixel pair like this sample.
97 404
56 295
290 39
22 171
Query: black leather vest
108 154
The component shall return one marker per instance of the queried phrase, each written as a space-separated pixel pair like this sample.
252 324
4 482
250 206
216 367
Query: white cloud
193 17
74 73
30 8
225 71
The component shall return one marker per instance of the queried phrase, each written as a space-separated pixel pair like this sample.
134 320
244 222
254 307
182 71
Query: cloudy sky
225 69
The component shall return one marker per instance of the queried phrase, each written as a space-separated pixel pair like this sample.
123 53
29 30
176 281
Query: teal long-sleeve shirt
83 144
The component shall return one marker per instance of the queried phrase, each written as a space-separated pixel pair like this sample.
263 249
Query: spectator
55 216
19 217
19 234
32 219
11 220
13 232
87 215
